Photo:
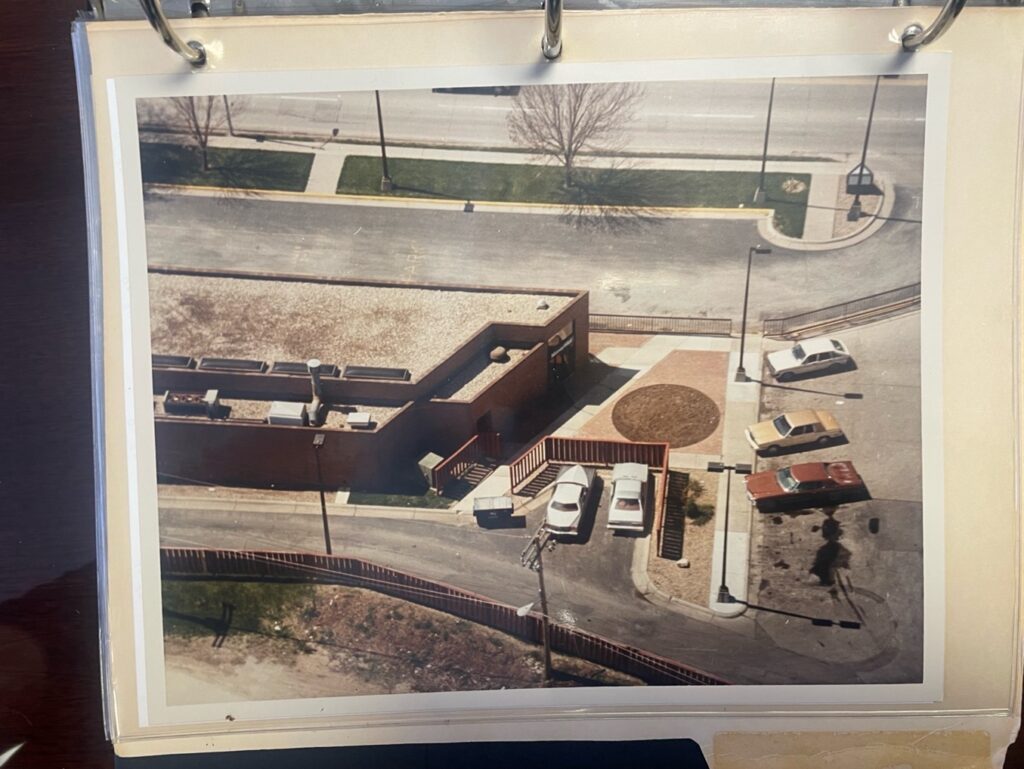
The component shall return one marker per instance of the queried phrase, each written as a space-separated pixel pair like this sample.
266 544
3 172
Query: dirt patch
347 641
702 370
693 583
677 414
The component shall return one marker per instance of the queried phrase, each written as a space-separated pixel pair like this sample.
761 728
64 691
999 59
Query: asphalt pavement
819 117
587 585
690 267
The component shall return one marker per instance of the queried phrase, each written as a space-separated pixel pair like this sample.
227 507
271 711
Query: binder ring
192 51
915 36
551 45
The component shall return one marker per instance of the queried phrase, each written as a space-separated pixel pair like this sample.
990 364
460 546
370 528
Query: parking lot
858 563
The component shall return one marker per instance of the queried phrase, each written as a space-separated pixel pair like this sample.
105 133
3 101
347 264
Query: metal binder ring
192 51
915 36
551 45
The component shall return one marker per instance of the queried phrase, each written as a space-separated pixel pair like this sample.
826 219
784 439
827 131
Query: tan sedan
808 428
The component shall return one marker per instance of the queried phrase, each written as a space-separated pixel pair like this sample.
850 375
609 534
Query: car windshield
837 345
782 424
798 352
627 504
567 507
786 479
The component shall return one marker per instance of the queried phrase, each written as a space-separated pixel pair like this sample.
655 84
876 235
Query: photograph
538 385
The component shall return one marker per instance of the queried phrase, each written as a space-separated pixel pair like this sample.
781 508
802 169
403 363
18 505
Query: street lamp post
855 209
741 371
740 469
318 443
385 179
759 193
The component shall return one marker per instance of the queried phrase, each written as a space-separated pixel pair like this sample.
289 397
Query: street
588 585
824 117
689 267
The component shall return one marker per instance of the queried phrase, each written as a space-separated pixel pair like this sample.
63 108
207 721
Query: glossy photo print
563 385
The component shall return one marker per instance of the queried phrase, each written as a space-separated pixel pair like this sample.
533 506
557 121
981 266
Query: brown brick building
406 369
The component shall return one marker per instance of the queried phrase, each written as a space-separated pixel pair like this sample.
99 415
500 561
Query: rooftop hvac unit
287 413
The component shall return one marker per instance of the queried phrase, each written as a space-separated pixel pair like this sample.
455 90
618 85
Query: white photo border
419 709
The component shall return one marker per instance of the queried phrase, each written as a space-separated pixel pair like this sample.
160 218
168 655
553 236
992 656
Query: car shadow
850 396
803 508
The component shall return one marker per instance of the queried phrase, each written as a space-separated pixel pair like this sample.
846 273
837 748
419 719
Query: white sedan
572 489
810 356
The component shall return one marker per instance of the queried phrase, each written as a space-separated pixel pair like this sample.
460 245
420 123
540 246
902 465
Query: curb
643 586
447 204
242 505
766 229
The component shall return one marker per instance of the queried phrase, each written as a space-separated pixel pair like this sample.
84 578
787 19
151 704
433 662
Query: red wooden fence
312 567
468 454
586 451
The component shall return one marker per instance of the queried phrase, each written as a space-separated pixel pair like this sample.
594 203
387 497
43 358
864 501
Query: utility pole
532 558
741 371
760 193
855 209
718 467
385 179
227 111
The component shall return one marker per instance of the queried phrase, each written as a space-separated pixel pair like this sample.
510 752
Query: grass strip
237 168
205 607
629 187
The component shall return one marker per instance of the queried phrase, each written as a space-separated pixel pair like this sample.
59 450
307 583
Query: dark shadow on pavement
847 396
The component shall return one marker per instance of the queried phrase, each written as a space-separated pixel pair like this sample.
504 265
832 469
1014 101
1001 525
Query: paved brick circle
678 415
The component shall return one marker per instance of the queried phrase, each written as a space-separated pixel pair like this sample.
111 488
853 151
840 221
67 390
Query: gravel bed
477 375
275 320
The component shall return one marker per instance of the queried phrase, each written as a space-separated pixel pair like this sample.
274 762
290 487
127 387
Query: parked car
569 499
794 429
811 356
806 485
629 485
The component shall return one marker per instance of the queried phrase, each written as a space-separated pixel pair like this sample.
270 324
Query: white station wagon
811 356
572 489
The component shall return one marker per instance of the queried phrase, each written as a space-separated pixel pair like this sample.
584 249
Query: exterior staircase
674 523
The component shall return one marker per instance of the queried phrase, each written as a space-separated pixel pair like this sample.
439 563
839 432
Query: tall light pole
759 193
318 443
741 372
718 467
385 179
227 113
854 213
532 558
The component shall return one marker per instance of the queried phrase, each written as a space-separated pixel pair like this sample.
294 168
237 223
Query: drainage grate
377 372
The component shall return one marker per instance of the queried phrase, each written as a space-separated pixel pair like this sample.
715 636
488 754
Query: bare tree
562 121
200 117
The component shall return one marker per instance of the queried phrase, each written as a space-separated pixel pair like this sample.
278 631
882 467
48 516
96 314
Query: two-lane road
669 267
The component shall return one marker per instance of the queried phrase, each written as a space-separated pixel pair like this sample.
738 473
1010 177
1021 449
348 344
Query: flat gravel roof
287 320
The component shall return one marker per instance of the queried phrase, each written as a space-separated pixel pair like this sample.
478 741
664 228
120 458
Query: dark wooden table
49 669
